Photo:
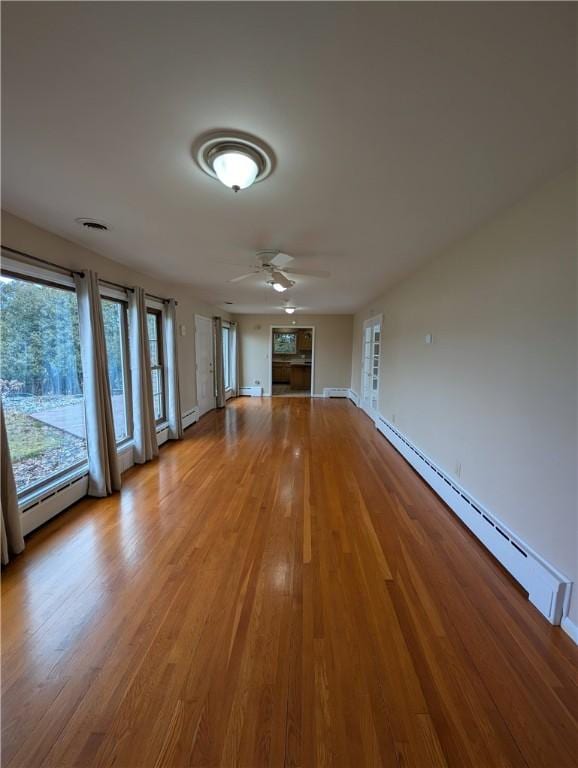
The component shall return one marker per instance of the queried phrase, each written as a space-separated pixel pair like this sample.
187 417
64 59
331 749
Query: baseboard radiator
547 588
52 503
251 391
335 392
353 396
190 417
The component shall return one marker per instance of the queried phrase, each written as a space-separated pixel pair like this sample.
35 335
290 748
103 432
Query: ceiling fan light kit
272 264
237 160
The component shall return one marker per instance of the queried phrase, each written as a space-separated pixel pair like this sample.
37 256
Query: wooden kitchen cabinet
281 373
300 377
304 340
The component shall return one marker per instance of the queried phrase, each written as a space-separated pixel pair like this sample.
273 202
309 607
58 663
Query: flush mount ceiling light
237 160
289 310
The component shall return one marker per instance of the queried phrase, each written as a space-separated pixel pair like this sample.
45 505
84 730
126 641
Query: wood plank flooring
278 589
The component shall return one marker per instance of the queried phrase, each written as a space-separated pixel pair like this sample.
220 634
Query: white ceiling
397 128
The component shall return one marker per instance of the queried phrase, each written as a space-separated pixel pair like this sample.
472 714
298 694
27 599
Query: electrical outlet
257 382
458 468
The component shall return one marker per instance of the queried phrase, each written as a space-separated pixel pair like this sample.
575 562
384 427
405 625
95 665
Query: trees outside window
155 330
226 335
41 380
114 314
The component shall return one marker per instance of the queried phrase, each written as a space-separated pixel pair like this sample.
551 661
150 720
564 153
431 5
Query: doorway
371 352
292 361
204 352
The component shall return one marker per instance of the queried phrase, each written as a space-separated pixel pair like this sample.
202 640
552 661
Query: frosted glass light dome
238 160
236 170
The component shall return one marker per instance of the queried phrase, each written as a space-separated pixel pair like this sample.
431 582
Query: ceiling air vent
93 224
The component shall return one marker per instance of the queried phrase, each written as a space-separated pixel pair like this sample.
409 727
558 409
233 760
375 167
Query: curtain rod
43 261
72 272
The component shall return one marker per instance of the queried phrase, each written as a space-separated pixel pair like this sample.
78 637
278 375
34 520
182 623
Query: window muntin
154 327
226 336
41 380
114 315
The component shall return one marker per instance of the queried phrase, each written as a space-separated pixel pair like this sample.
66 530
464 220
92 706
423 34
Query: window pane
158 399
112 312
153 338
226 357
155 341
41 380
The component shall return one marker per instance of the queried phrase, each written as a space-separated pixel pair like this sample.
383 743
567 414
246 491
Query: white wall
497 390
333 336
24 236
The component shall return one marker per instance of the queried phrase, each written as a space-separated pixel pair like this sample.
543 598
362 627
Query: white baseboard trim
190 417
570 628
251 391
353 396
335 392
548 589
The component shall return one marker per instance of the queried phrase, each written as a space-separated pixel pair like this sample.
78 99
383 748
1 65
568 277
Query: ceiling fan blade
242 277
280 260
308 272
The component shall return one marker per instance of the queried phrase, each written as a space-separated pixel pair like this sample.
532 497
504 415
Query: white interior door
204 350
371 352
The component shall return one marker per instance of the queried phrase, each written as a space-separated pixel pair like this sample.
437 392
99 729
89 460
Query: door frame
307 326
214 398
370 322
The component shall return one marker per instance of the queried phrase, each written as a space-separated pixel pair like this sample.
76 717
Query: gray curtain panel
144 427
12 538
172 372
234 340
219 374
103 469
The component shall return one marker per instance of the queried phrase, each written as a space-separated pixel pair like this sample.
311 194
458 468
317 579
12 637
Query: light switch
428 338
183 330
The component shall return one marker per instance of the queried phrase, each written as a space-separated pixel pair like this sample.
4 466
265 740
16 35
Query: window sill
124 446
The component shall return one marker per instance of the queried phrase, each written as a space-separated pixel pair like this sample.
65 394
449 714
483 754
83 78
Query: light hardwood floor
279 589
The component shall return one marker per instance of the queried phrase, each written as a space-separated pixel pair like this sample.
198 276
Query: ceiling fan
273 265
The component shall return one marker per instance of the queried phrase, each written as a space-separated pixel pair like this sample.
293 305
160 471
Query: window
41 380
154 325
115 333
226 357
284 343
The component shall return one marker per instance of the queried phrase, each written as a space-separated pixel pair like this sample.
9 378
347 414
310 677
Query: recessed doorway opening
292 352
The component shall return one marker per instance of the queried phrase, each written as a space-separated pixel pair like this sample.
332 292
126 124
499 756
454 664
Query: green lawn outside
29 437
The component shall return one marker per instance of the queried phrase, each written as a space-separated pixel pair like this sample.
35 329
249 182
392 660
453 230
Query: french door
204 350
371 351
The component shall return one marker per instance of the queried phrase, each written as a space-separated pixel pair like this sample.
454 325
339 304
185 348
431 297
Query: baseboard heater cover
335 392
52 503
353 396
190 417
547 588
570 628
251 391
